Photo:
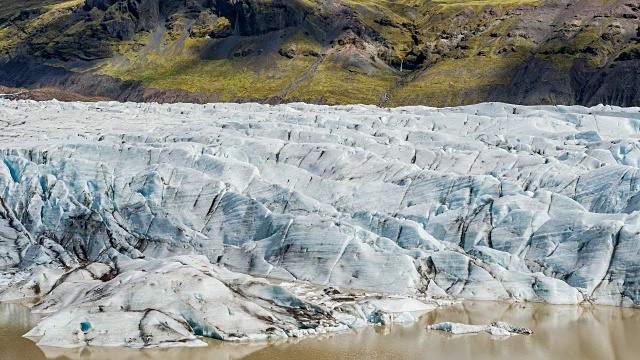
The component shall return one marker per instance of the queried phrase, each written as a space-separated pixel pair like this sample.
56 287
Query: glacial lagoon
561 332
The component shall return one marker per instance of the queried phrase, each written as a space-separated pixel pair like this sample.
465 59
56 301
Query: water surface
561 332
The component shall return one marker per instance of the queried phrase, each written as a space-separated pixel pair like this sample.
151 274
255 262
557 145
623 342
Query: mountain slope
391 53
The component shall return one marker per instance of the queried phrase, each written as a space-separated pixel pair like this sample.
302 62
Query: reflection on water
561 332
16 320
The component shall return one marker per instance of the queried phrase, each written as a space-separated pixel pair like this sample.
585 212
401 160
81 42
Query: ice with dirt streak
490 201
167 302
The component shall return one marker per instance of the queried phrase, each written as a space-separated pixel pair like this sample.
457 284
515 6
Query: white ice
498 328
490 202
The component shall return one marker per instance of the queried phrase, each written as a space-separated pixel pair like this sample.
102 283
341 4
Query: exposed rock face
124 18
254 17
127 17
483 202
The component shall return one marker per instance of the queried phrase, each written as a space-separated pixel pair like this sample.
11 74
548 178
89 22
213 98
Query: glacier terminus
355 214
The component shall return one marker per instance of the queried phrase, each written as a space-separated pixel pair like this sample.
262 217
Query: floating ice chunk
404 317
497 328
457 328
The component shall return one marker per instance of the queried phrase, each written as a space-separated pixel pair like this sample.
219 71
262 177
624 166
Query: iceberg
498 328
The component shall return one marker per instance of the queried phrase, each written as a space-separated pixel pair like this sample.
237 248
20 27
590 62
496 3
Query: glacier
486 202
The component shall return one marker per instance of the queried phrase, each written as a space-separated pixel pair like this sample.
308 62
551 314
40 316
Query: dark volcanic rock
27 73
251 17
147 13
123 19
118 22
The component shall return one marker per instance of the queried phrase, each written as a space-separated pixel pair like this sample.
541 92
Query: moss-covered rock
221 28
441 52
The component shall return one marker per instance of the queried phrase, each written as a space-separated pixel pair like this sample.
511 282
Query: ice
167 302
498 328
490 201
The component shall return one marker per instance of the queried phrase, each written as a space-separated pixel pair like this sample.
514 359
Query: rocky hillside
391 53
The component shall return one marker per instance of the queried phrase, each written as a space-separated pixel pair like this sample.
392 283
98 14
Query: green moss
485 2
338 85
449 80
455 81
591 43
180 67
39 28
222 27
631 52
10 9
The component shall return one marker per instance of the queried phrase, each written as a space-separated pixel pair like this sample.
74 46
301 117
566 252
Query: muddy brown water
561 332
